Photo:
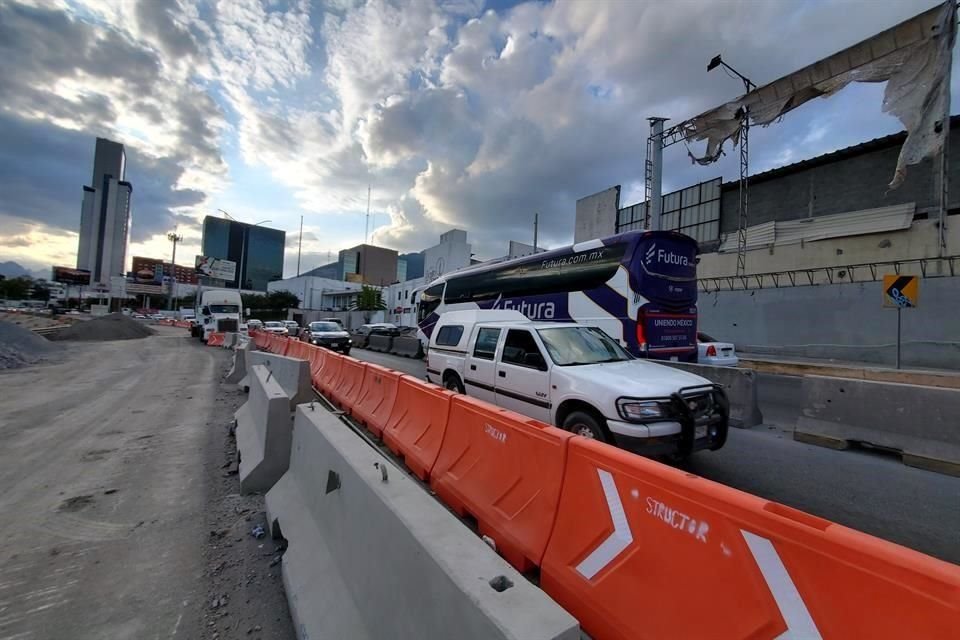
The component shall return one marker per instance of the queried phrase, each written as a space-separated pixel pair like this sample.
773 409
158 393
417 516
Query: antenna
366 231
536 221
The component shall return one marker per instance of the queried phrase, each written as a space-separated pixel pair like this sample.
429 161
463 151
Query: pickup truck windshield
324 326
224 308
581 345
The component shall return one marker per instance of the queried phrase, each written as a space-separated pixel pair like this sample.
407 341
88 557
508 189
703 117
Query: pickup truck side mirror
205 311
535 360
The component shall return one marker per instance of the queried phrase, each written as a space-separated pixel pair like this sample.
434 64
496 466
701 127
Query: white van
577 378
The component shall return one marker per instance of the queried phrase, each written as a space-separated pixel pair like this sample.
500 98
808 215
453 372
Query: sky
459 113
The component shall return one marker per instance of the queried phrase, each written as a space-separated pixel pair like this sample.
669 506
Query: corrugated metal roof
853 223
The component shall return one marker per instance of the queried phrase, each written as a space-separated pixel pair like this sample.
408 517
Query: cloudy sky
459 113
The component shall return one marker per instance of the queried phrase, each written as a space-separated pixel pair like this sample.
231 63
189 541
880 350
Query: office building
257 251
105 215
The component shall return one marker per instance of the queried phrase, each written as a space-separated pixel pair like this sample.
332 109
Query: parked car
255 324
328 334
272 326
579 379
140 316
719 354
293 329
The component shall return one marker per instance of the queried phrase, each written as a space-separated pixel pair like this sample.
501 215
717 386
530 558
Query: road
113 491
868 491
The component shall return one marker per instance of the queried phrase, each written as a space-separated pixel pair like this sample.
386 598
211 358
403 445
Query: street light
243 243
174 238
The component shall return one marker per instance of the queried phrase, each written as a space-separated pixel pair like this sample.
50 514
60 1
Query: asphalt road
869 491
112 483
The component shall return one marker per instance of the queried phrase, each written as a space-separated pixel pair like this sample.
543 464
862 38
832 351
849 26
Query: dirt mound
115 326
19 346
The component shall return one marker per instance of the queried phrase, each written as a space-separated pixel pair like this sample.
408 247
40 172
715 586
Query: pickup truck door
480 365
523 378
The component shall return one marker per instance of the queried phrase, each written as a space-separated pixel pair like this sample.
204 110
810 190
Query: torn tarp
913 58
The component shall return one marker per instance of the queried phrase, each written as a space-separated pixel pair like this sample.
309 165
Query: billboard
69 275
216 268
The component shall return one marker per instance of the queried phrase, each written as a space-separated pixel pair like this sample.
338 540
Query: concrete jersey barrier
920 422
293 374
238 372
407 346
263 433
379 343
740 385
372 556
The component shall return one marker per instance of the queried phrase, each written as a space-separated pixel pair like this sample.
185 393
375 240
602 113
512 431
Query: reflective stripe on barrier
505 470
642 550
379 392
215 340
417 423
349 383
330 374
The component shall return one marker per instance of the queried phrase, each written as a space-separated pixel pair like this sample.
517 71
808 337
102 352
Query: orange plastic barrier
260 339
215 340
330 374
642 550
297 349
377 396
346 391
417 423
504 469
285 344
317 359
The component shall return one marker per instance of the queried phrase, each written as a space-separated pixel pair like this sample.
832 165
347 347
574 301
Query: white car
293 329
273 326
253 323
577 378
718 354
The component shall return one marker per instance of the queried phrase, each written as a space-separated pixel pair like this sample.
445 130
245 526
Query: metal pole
300 245
366 230
536 217
899 310
243 254
654 172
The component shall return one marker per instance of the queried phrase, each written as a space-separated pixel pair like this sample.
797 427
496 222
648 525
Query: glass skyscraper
257 251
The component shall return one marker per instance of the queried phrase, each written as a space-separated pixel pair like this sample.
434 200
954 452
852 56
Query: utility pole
366 231
174 238
536 220
300 246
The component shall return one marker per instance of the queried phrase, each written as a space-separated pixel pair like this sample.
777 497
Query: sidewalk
797 366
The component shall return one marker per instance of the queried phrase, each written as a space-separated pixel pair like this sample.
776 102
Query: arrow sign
900 291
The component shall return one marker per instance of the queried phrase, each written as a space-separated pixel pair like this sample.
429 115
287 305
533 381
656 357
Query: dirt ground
123 513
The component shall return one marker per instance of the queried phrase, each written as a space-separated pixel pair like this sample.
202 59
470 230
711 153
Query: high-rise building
257 251
105 215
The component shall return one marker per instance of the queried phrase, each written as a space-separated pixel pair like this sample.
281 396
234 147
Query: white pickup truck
579 379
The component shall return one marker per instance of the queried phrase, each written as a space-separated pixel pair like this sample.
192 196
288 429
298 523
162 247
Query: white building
319 293
451 254
105 215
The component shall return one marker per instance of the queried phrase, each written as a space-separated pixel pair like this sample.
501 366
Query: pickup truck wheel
451 382
582 423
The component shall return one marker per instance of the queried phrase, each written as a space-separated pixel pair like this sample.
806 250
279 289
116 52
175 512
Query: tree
370 299
15 288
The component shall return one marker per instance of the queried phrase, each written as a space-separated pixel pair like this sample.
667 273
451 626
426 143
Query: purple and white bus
639 287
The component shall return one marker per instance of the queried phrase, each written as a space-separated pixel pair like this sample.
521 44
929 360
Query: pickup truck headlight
640 410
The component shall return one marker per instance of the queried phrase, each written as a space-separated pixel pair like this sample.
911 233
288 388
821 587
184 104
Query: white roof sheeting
855 223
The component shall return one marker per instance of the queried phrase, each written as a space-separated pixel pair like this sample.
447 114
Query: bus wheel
583 423
451 382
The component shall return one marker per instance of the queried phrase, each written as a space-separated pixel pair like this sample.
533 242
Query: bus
639 287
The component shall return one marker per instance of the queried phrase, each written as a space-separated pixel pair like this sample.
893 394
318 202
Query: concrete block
740 385
238 373
920 422
293 374
229 340
372 555
263 433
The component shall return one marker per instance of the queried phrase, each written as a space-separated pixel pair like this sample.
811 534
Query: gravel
115 326
19 346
